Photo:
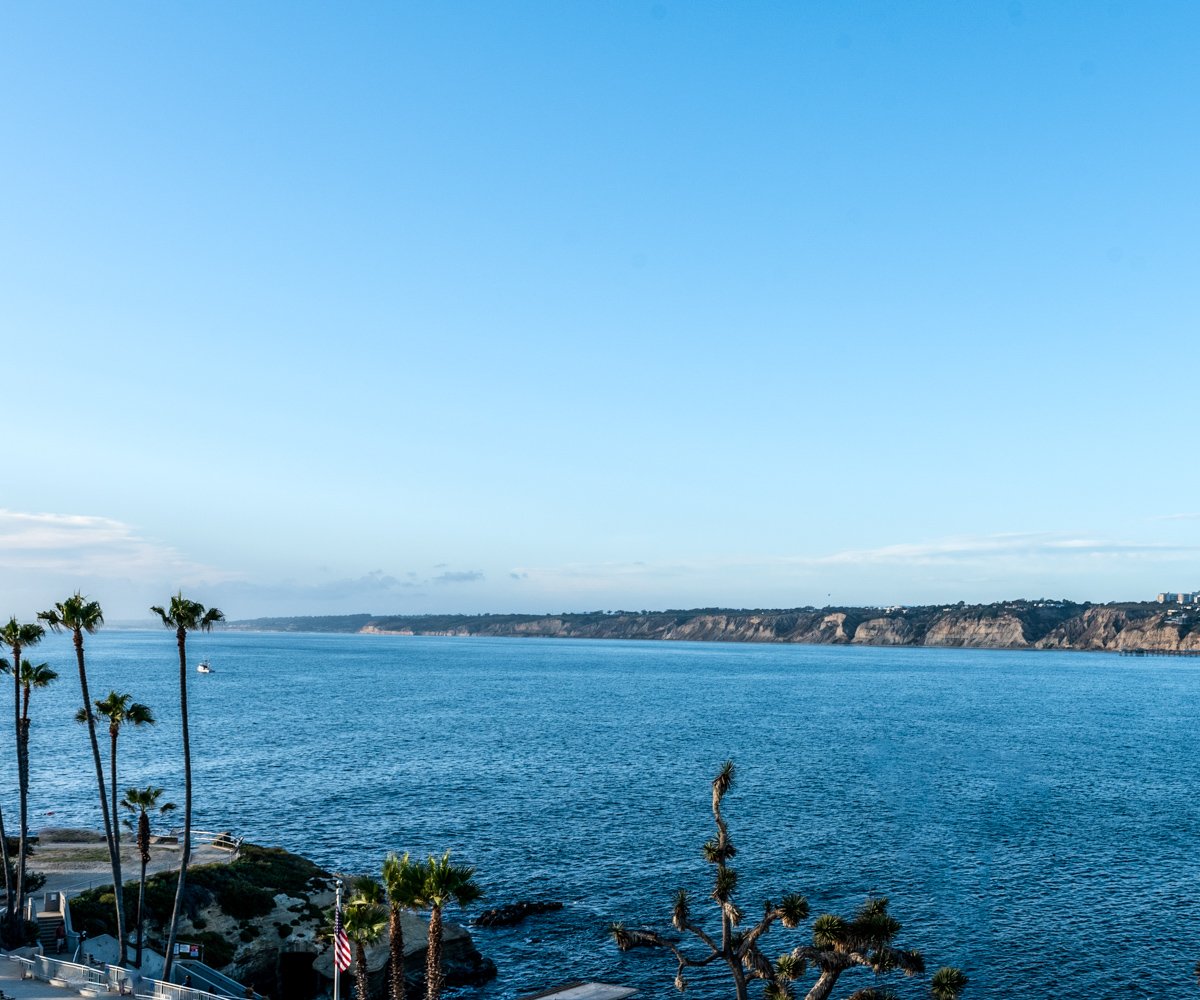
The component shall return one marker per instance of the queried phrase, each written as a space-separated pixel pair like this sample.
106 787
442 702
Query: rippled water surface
1032 816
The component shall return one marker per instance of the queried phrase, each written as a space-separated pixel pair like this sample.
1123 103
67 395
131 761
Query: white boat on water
203 667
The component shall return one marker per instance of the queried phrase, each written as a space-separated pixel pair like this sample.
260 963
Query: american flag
341 943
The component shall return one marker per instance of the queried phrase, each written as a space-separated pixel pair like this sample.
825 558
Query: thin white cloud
984 548
459 576
1012 552
81 545
1193 516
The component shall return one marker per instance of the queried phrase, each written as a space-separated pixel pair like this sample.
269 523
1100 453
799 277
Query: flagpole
336 970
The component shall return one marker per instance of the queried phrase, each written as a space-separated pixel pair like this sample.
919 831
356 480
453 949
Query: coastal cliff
1020 624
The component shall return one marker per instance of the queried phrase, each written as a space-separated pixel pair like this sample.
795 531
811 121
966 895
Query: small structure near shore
584 991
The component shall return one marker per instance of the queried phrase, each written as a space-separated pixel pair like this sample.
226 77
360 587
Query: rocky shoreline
262 920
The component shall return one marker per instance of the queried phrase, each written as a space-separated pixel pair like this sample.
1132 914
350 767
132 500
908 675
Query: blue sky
542 306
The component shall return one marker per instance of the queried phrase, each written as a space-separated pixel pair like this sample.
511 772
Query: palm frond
724 884
792 909
627 939
829 931
37 675
778 989
721 784
948 982
681 911
790 966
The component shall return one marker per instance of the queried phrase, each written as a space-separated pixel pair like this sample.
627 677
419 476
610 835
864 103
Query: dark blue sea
1033 817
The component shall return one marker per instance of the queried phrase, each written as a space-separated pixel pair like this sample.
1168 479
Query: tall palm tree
443 883
79 615
120 710
365 921
32 675
184 616
16 636
402 879
142 802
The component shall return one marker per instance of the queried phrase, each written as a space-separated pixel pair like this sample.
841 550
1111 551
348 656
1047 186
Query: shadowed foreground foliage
244 889
838 945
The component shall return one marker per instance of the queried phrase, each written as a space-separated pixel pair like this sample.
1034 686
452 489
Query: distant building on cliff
1178 598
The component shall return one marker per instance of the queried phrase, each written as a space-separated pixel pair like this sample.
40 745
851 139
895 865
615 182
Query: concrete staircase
48 925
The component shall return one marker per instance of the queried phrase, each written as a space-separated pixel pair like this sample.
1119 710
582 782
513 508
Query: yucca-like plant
865 941
838 944
738 948
947 983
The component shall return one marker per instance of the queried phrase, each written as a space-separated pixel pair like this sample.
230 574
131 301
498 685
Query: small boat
203 667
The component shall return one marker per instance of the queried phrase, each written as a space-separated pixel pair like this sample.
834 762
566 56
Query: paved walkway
28 989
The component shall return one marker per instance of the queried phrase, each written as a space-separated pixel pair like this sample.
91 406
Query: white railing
210 979
173 991
76 975
96 979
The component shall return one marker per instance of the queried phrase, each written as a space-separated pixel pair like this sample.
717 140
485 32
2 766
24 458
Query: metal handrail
173 991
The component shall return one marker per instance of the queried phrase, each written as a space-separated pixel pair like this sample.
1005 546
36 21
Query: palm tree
402 879
120 710
184 616
32 675
365 921
16 637
80 615
142 802
443 883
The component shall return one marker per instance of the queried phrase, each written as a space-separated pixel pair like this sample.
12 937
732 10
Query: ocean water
1033 817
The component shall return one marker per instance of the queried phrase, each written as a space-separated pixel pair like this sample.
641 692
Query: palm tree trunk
433 956
23 781
396 952
186 854
360 972
22 785
8 886
141 903
108 820
118 881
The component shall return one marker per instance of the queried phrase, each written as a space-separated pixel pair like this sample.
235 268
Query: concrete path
28 989
73 868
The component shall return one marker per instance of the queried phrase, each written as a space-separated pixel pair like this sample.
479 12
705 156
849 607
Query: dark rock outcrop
513 913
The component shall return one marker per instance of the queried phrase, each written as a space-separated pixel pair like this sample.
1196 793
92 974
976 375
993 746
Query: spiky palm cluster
838 944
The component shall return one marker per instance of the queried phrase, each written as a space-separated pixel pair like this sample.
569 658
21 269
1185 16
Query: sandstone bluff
1021 624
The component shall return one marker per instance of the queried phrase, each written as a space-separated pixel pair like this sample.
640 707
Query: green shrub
244 901
218 952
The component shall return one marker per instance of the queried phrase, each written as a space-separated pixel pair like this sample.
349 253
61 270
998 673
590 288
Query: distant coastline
1020 624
